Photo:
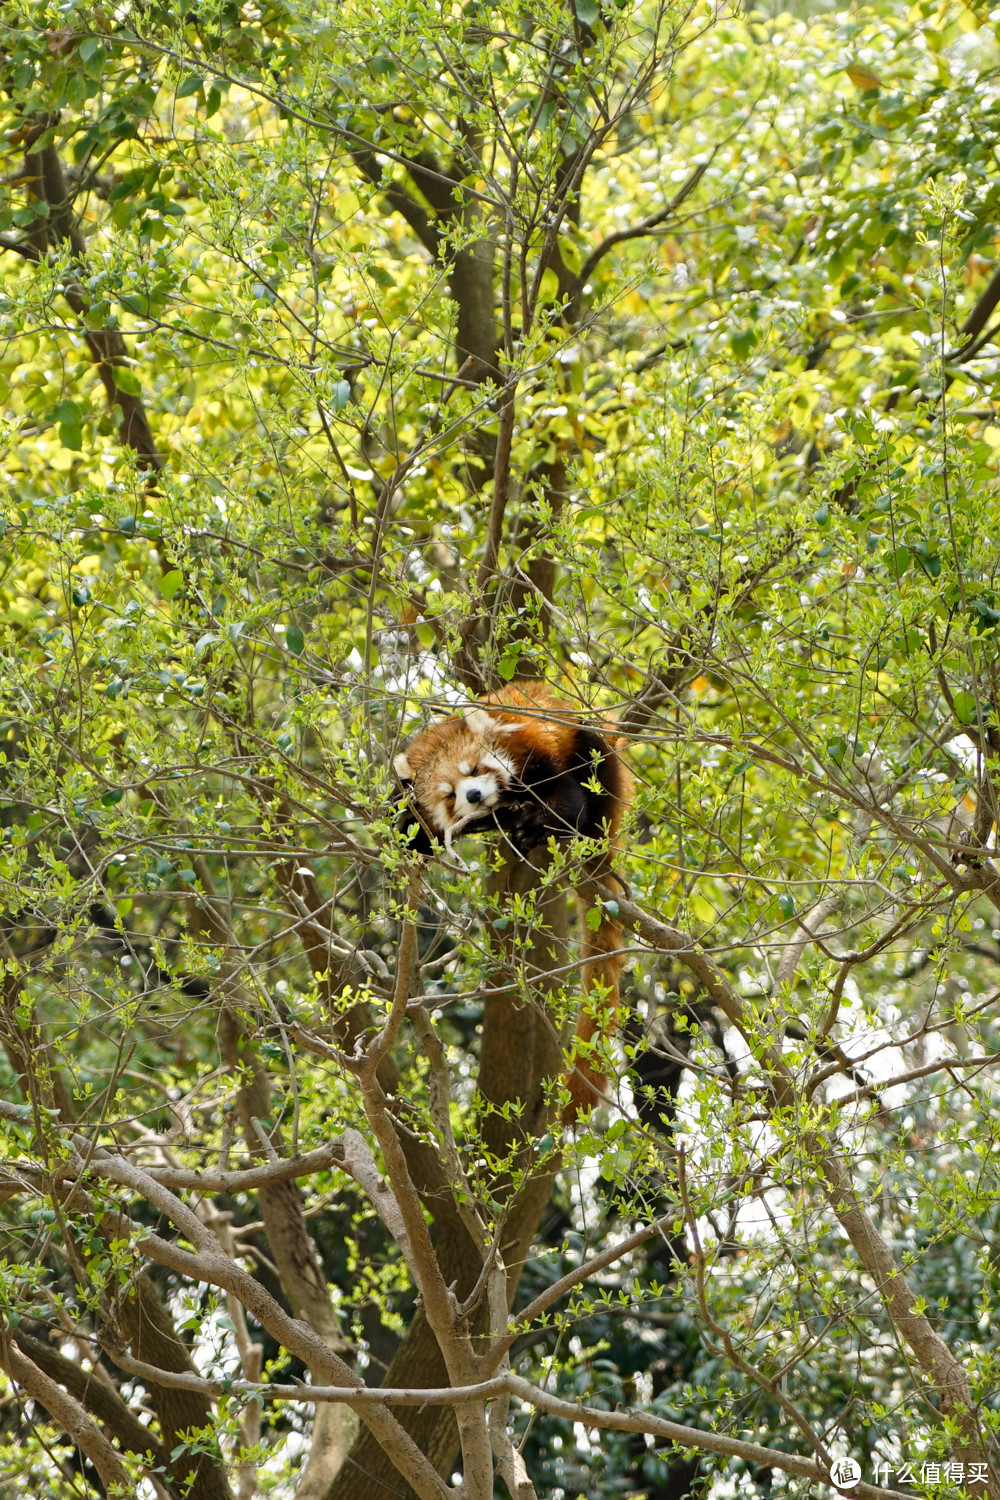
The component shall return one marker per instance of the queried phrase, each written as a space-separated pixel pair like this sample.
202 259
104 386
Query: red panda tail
603 959
600 1009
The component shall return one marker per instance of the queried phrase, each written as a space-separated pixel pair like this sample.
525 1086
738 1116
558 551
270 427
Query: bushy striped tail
601 1008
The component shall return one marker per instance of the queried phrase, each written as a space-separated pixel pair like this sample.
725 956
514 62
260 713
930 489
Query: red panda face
461 780
480 785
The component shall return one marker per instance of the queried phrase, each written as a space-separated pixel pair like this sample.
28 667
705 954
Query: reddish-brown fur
545 773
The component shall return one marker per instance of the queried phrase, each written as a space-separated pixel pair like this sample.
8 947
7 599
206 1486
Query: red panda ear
478 720
402 767
481 721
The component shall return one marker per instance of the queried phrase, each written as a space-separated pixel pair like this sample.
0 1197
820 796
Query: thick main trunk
471 284
151 1337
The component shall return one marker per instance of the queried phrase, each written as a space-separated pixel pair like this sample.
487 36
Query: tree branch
46 183
943 1371
97 1396
65 1410
645 226
209 1263
977 320
558 1289
400 200
532 1396
207 1180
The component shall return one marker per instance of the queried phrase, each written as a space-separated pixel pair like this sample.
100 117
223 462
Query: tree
434 348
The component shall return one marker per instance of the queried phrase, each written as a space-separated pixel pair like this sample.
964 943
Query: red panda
522 762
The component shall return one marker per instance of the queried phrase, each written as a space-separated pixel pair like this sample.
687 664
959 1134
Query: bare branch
539 1400
583 1272
282 1169
210 1263
70 1415
647 225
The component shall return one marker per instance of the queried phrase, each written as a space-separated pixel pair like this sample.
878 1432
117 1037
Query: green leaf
742 342
927 561
189 84
22 217
126 380
570 255
548 289
836 748
985 615
170 583
70 420
965 707
294 640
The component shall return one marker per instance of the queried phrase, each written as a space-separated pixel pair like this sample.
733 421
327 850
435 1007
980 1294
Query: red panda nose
474 794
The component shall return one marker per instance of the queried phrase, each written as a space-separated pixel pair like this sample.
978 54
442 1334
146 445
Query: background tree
357 361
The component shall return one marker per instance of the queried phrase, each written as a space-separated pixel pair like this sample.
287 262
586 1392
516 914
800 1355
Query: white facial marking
495 760
477 796
465 768
402 767
444 787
